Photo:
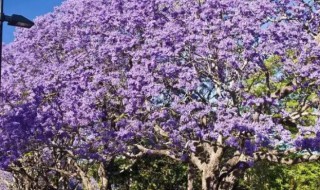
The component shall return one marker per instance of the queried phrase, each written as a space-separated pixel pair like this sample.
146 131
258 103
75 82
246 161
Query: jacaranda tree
218 85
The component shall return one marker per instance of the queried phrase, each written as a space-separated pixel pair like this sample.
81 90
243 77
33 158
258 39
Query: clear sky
28 8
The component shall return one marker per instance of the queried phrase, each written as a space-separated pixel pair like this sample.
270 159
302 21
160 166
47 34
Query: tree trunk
227 183
103 177
191 176
207 180
85 180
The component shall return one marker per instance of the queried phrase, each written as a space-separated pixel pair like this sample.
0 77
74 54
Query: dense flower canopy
164 75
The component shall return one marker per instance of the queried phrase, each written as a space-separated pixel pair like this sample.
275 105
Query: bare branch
167 153
63 172
284 157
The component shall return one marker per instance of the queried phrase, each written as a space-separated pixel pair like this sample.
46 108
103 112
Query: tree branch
157 152
284 157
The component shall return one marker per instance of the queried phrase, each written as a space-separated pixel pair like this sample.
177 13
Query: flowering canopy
171 77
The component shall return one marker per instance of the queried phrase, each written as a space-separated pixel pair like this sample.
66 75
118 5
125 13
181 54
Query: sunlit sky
28 8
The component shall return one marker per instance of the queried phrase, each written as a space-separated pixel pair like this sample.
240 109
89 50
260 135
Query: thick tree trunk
227 183
210 181
207 158
207 179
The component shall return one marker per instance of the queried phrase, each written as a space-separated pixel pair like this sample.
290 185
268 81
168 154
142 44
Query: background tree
274 176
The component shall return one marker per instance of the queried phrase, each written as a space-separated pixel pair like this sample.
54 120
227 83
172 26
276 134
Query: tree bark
103 176
84 179
228 182
207 159
207 179
86 182
191 176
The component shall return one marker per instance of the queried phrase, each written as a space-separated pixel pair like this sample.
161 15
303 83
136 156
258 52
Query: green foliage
152 173
257 83
266 176
155 173
305 176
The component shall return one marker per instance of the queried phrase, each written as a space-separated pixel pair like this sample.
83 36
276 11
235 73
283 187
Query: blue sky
28 8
